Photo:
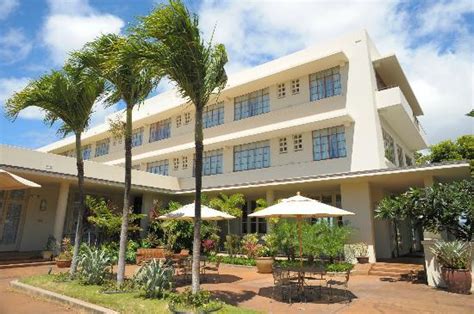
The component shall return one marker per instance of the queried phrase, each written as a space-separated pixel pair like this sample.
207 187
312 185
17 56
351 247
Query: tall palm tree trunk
80 211
126 197
198 139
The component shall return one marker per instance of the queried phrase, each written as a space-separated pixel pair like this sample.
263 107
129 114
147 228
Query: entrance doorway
12 206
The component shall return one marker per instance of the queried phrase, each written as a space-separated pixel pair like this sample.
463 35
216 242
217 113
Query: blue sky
433 40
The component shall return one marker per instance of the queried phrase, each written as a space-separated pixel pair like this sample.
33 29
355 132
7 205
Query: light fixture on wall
43 205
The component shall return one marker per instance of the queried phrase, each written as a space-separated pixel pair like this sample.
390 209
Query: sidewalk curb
72 302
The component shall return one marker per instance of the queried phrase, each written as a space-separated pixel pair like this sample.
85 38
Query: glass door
11 210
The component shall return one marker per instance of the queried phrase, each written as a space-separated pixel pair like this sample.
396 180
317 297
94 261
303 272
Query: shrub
94 265
66 250
154 278
234 260
250 245
454 254
231 244
111 249
131 255
200 302
339 267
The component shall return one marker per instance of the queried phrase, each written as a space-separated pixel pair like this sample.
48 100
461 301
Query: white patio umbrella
187 213
300 207
10 181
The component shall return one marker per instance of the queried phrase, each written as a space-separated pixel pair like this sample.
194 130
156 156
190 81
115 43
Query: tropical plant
453 254
460 149
66 250
154 278
233 260
360 249
250 245
106 216
67 96
112 58
231 205
200 302
338 267
286 236
232 244
392 209
51 244
173 42
331 237
151 241
94 265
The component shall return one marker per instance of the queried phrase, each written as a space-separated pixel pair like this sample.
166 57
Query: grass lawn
124 302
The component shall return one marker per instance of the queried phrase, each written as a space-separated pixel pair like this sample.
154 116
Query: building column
61 210
357 199
270 196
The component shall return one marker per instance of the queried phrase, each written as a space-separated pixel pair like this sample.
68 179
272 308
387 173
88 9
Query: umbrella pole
300 240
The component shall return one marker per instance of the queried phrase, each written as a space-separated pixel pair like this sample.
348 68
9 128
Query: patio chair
283 281
338 279
212 267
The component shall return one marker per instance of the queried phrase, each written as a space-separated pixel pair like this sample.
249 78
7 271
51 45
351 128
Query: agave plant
94 265
154 278
453 254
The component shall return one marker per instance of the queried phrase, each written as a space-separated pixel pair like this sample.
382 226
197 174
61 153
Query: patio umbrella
10 181
300 207
187 213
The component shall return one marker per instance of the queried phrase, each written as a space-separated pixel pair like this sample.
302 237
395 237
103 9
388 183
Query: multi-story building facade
337 122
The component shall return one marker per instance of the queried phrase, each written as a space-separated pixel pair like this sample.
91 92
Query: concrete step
394 269
27 263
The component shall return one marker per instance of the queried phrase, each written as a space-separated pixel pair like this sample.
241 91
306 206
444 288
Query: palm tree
66 96
112 58
231 205
173 40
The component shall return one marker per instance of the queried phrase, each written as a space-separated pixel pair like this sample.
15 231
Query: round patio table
304 273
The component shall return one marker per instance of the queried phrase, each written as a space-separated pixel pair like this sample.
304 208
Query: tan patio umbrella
10 181
300 207
187 213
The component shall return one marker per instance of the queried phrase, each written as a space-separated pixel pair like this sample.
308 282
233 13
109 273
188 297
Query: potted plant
49 248
65 257
455 260
264 260
361 252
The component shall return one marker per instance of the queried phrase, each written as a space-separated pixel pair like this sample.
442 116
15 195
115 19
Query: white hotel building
336 121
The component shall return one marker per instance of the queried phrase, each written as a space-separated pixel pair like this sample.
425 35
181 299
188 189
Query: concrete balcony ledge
395 109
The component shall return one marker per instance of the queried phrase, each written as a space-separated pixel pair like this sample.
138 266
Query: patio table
302 271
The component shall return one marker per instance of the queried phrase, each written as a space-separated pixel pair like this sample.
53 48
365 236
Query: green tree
231 205
66 96
173 41
112 57
460 149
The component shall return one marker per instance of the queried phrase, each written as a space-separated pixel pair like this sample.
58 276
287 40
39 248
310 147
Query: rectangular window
158 167
408 160
86 152
213 115
137 137
212 162
102 147
283 145
185 162
187 117
175 164
178 121
325 84
252 104
298 142
281 90
389 146
160 130
252 156
329 143
400 156
295 86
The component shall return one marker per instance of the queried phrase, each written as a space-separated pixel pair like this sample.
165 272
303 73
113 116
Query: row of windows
322 85
394 152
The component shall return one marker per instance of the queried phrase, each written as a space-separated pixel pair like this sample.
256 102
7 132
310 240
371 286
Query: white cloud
7 7
8 86
73 23
255 31
14 46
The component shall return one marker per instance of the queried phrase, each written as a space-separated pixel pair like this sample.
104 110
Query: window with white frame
400 156
184 160
283 145
160 130
213 115
86 152
295 86
102 147
297 142
389 146
252 156
137 137
408 160
281 90
175 164
325 84
178 121
329 143
187 117
158 167
212 161
251 104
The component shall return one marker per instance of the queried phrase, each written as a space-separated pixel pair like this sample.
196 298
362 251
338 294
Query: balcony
397 112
